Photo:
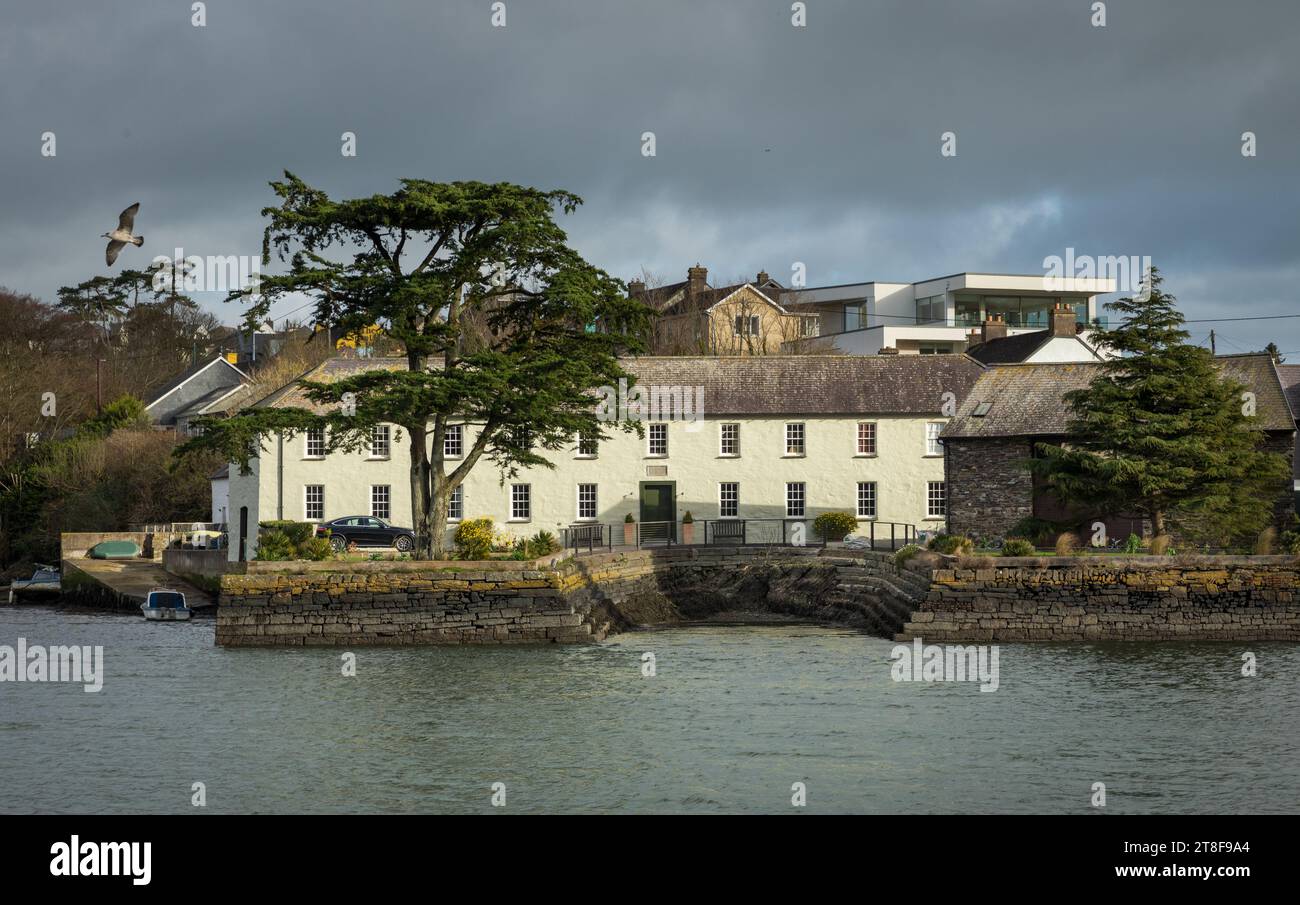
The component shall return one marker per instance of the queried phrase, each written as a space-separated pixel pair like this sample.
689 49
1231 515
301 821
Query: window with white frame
866 438
521 502
522 437
933 445
936 500
586 501
381 501
728 499
315 443
794 440
588 446
453 441
746 325
314 502
729 439
866 499
795 495
380 441
456 504
658 438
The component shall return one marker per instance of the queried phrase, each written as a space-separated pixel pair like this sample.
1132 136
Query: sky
775 144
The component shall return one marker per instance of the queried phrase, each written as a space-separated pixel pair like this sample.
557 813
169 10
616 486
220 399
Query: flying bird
122 235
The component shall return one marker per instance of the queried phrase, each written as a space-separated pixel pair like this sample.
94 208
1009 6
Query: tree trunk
438 515
1157 522
427 541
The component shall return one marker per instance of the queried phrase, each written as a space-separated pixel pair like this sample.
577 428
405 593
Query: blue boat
165 605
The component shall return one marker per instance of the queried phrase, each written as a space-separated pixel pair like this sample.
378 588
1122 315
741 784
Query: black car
366 531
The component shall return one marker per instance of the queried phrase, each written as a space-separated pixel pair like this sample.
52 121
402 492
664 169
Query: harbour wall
584 598
1146 598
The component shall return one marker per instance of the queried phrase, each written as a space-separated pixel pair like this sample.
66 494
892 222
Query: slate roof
185 375
757 384
1027 399
1011 349
1290 376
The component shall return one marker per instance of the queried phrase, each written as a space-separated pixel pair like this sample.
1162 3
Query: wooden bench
728 532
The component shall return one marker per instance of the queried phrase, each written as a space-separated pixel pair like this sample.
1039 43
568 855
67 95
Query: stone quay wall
1220 598
559 599
383 603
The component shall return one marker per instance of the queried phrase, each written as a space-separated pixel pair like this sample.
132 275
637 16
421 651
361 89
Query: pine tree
1161 433
495 313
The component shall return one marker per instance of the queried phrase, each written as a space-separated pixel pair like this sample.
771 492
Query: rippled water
735 715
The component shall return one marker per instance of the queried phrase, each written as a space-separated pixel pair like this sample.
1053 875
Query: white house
936 316
759 437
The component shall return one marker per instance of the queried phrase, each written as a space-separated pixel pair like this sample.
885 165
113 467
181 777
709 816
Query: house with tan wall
739 319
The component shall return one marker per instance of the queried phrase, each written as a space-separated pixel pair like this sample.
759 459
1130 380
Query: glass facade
1017 310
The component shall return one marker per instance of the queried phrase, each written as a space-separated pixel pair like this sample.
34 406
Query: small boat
44 581
165 605
115 549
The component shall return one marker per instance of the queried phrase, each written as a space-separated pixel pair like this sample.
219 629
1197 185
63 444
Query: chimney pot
762 277
994 327
1064 323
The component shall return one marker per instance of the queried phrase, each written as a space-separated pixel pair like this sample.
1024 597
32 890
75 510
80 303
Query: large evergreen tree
493 309
1161 433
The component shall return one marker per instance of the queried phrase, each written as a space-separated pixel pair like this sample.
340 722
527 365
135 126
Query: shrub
474 538
951 544
834 526
906 553
1067 544
315 549
627 519
297 532
1160 544
541 544
1133 544
274 546
1266 543
1034 529
1017 546
688 519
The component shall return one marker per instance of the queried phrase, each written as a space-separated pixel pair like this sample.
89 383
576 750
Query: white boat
45 580
165 605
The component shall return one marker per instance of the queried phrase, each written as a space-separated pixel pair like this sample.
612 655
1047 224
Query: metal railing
781 532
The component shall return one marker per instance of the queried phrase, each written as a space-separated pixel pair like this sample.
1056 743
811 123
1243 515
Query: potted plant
629 530
688 528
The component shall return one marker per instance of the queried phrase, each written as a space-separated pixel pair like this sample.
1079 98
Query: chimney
1064 323
635 288
697 280
762 278
994 327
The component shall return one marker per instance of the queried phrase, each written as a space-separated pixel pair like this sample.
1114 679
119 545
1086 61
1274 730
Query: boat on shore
165 605
46 581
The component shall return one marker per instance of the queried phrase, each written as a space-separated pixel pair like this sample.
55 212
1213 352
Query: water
735 715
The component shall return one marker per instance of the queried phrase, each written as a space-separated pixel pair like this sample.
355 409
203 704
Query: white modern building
936 316
783 438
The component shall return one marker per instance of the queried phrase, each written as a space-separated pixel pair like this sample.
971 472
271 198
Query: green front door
658 504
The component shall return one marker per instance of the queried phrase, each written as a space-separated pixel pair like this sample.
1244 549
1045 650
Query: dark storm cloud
1120 140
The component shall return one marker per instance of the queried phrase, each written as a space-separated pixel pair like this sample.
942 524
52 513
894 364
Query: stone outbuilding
1013 407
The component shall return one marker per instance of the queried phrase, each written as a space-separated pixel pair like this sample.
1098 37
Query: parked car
366 531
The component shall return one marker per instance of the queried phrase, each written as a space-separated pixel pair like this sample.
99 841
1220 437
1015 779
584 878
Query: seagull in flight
118 238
